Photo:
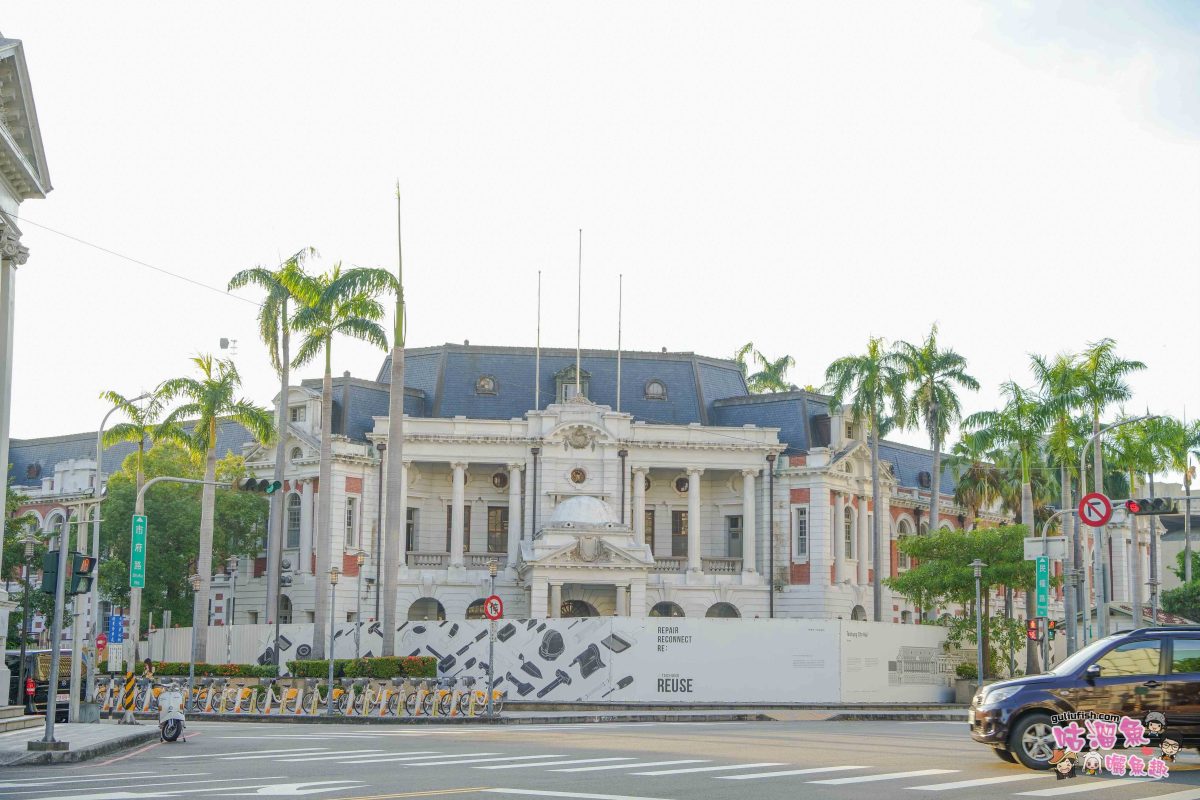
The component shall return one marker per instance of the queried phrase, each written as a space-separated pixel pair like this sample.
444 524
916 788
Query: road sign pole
491 708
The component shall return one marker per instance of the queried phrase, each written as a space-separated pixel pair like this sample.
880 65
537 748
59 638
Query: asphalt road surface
620 761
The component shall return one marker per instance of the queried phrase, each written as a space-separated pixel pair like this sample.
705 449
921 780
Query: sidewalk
86 740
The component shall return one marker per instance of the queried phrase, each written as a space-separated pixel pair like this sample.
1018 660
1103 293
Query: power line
194 282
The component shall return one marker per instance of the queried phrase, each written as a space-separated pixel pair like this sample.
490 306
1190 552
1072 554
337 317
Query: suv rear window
1185 656
1131 658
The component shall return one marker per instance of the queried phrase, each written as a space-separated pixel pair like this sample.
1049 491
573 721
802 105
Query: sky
800 175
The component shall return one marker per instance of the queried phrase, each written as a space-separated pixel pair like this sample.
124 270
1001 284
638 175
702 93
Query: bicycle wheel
393 704
427 704
497 704
445 704
410 704
464 704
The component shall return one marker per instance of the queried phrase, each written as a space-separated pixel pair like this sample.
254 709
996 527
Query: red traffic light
1132 506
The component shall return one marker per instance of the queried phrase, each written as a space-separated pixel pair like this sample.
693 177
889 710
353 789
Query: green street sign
137 553
1043 586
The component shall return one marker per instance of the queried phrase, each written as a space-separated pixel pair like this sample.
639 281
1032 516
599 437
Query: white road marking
1076 786
313 751
390 759
100 784
886 776
559 763
121 795
330 756
783 773
282 752
483 760
1186 794
941 787
295 789
634 766
30 782
578 795
712 769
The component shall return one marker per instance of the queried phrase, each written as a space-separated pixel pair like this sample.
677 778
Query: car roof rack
1165 628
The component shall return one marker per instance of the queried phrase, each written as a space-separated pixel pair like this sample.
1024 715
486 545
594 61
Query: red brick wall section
895 558
800 495
260 566
349 565
870 576
831 574
353 485
797 461
801 574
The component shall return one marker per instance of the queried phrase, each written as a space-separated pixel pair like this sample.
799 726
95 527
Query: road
620 761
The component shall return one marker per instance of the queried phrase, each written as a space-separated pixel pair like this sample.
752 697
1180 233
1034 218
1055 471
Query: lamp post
978 566
359 559
1100 559
334 573
231 567
194 580
382 448
28 540
492 566
771 535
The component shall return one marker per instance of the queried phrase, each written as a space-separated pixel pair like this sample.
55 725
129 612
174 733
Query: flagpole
579 314
537 359
620 287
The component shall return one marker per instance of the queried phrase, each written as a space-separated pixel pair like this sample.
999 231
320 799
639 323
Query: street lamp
334 573
194 580
29 540
492 566
231 567
978 566
359 559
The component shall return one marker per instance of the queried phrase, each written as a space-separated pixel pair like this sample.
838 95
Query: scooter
170 713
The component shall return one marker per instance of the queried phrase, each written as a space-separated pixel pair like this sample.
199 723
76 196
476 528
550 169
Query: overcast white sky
803 175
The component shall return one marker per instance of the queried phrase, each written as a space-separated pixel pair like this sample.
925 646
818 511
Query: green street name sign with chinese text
1043 586
137 553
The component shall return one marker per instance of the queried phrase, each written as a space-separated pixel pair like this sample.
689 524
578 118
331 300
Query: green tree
943 575
934 375
873 383
771 375
209 400
274 328
1183 600
1177 441
977 481
334 303
13 527
742 357
1103 381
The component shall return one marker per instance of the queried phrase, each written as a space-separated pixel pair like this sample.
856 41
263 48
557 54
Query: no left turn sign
1095 509
493 607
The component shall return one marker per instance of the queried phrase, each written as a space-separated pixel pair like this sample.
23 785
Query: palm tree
397 515
333 303
211 399
934 374
1019 425
1132 450
1175 440
977 480
771 374
874 383
742 355
274 329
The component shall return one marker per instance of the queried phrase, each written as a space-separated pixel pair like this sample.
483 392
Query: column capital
459 465
514 467
639 470
751 473
695 471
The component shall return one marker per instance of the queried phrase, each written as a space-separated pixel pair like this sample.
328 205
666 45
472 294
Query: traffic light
1051 630
1031 630
50 572
83 571
255 485
1149 506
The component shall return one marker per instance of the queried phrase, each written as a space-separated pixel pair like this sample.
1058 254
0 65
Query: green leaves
943 574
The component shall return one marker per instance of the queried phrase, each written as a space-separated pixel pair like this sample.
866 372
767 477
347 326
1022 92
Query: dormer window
565 384
656 390
485 385
297 413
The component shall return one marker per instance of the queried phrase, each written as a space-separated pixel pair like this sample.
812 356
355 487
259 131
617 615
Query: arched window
577 608
296 454
859 613
903 531
655 390
285 610
722 611
851 550
475 610
666 609
924 529
486 384
293 521
426 609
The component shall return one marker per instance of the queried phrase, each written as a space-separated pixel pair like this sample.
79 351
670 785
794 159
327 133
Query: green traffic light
273 487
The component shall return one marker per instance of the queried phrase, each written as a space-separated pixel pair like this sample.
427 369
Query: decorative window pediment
564 383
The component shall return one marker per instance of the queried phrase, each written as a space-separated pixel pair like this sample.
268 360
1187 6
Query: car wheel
1004 755
1032 741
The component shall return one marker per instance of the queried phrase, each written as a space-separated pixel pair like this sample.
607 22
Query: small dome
583 511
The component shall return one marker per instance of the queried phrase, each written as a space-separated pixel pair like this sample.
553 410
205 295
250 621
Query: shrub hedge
215 670
381 667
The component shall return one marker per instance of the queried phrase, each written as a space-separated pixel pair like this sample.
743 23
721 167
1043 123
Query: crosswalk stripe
29 783
783 773
313 751
186 787
281 752
410 757
1076 786
100 783
577 795
331 756
634 766
711 769
941 787
482 760
886 776
558 763
1186 794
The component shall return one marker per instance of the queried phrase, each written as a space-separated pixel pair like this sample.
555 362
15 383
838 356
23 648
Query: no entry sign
1095 509
493 607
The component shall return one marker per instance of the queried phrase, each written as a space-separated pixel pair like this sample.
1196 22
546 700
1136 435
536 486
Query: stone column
637 598
639 504
837 530
622 601
864 542
306 527
12 255
693 537
749 551
556 600
514 514
457 498
537 599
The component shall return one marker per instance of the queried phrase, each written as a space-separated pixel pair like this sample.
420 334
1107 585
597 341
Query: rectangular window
679 533
733 536
871 538
497 529
800 534
410 530
851 550
1185 657
649 525
351 539
293 521
297 413
466 526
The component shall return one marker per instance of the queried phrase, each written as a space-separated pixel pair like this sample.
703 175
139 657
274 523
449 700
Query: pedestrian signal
1031 630
1051 629
83 572
50 572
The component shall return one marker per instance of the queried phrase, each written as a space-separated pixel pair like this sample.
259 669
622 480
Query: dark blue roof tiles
784 410
420 370
909 462
720 382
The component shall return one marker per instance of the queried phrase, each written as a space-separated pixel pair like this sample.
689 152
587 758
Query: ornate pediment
591 552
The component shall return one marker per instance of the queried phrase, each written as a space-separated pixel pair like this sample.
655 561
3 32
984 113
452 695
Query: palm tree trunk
876 500
1031 652
1187 528
277 508
935 479
1100 536
204 568
324 515
395 514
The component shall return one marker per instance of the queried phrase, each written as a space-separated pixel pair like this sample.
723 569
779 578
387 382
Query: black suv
1130 673
37 669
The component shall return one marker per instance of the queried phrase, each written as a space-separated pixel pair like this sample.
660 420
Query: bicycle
438 703
474 702
414 703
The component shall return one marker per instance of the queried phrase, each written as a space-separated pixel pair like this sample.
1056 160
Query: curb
751 716
885 716
84 753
